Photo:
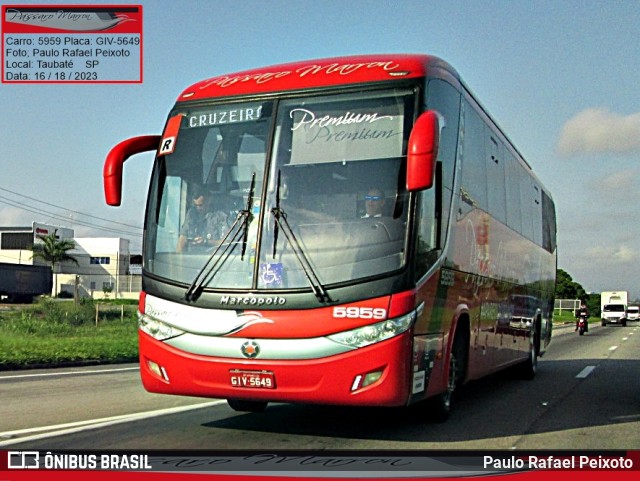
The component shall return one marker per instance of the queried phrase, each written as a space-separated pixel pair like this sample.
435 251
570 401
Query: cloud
600 130
609 255
14 216
618 182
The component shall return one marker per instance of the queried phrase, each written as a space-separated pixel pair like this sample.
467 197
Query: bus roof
316 73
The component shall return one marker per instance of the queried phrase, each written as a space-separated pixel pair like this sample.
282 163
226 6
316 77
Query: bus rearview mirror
422 152
112 173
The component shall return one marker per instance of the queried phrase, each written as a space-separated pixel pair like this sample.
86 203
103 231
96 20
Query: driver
202 228
373 203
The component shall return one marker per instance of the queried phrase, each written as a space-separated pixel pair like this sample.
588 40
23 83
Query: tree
567 288
54 251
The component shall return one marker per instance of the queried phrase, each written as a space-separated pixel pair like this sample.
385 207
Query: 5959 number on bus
359 313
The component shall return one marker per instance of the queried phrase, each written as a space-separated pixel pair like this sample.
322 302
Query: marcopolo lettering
252 301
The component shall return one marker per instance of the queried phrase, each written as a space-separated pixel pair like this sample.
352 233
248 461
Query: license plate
253 379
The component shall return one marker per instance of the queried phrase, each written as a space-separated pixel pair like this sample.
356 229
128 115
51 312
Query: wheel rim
534 357
451 384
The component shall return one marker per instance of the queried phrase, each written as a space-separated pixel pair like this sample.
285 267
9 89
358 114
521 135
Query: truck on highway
613 307
23 282
633 313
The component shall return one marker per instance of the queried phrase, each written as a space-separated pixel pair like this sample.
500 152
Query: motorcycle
582 325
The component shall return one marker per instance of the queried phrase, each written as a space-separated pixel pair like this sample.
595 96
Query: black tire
529 368
242 405
442 405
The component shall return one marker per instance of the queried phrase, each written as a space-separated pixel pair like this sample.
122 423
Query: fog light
371 378
364 380
158 370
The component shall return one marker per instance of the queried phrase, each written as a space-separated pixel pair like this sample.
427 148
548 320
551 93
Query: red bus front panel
332 380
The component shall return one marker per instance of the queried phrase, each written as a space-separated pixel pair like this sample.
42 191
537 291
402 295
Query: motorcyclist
582 312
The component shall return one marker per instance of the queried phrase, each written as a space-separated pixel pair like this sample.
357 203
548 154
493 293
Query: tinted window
512 174
548 223
474 173
496 179
435 203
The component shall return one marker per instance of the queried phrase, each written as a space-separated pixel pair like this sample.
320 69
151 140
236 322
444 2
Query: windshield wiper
239 228
280 222
248 215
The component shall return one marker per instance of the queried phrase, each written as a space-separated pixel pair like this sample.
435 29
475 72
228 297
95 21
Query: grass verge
58 333
61 333
563 317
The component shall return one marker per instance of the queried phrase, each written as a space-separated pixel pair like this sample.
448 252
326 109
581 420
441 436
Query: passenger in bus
202 228
373 203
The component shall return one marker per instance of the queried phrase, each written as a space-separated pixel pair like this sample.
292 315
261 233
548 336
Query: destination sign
226 115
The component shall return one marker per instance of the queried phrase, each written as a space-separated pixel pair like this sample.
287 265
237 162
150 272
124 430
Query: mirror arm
112 173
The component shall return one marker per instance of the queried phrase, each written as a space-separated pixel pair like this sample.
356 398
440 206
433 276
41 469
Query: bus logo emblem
250 349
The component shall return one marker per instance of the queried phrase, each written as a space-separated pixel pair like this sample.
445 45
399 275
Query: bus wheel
442 403
529 368
247 406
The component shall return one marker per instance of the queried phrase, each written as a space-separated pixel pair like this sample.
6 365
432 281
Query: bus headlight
367 335
157 329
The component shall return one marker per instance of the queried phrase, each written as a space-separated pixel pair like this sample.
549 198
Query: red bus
349 231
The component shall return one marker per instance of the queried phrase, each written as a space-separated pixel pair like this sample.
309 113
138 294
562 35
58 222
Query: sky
560 77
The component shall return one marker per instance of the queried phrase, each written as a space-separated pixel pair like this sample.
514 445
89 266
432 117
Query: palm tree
54 251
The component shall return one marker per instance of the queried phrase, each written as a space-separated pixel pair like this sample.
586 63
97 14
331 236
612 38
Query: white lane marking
76 427
585 372
70 373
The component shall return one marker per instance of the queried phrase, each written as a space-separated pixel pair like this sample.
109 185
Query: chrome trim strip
212 322
270 349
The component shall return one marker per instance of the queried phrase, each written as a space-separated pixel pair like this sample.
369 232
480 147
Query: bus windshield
282 194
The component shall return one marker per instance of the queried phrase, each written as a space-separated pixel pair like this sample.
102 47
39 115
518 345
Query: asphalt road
586 396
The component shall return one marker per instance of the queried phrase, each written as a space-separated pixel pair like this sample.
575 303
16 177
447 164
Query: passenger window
496 179
512 176
527 204
548 223
474 170
445 99
435 204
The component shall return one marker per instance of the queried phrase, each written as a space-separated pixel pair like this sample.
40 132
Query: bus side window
474 167
435 204
548 223
445 99
512 169
495 162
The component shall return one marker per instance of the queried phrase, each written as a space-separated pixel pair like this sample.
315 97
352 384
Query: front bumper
327 380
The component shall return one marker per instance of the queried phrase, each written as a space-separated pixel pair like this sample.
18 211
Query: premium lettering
310 120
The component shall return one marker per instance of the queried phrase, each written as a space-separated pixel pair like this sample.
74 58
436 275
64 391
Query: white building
103 268
16 241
